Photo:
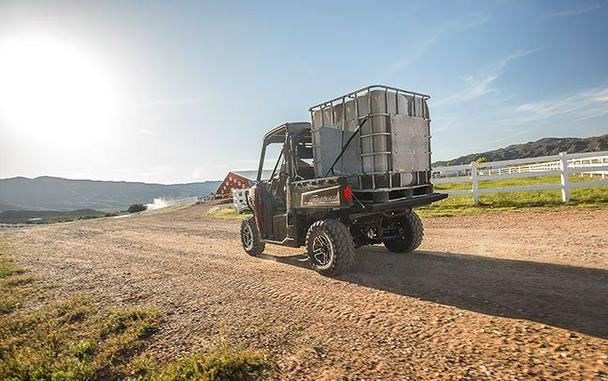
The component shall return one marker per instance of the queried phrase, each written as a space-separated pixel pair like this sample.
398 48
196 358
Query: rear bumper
408 203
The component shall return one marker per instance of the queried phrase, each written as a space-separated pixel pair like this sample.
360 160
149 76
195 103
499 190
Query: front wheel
330 246
411 232
250 237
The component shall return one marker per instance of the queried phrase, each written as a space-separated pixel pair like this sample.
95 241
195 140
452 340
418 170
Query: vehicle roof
277 134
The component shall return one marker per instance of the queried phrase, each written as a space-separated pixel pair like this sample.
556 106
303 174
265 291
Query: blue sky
189 88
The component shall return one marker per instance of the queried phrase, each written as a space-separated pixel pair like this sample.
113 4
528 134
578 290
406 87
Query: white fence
590 163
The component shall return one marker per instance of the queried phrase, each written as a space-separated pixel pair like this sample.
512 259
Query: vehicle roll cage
279 134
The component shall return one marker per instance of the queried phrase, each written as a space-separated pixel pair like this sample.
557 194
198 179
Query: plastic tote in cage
382 134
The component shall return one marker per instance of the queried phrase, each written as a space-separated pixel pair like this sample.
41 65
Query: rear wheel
250 237
411 232
330 246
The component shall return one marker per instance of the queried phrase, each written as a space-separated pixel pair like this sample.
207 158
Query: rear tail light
347 193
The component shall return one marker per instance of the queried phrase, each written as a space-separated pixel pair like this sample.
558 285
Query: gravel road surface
512 295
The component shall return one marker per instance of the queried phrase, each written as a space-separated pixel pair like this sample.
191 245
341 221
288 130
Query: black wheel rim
322 250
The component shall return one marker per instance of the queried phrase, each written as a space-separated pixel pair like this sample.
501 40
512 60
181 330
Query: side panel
327 143
322 198
326 193
328 138
411 144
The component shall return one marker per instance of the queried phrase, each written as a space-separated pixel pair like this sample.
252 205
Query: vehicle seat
277 190
307 173
305 170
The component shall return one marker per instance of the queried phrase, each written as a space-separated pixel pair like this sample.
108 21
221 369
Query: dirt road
494 296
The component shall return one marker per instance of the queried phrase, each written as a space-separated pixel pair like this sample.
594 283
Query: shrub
135 208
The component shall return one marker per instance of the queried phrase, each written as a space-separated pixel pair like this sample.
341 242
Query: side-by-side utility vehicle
348 179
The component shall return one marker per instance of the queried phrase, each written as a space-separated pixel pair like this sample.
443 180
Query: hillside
542 147
54 193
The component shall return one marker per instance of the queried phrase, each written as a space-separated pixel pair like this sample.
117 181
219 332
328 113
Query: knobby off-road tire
412 233
331 250
250 237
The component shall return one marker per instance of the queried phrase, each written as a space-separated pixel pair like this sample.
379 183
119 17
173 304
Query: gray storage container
392 148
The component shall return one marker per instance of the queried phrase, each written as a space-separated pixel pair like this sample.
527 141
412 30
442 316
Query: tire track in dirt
315 327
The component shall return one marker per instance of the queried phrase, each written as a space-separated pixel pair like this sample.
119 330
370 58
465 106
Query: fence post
563 158
474 182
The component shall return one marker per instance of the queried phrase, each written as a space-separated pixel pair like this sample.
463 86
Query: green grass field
594 197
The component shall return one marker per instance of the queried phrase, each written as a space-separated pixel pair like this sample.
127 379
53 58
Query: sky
178 91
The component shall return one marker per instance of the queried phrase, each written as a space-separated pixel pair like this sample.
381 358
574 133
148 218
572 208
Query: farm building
239 180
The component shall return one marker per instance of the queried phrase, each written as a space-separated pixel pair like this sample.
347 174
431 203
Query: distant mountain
55 193
542 147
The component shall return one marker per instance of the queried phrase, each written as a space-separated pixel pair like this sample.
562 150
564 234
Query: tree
137 208
481 160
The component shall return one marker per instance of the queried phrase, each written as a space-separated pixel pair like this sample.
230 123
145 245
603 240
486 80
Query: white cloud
572 12
587 104
480 85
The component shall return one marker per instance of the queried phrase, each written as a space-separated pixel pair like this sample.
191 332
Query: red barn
234 180
239 180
